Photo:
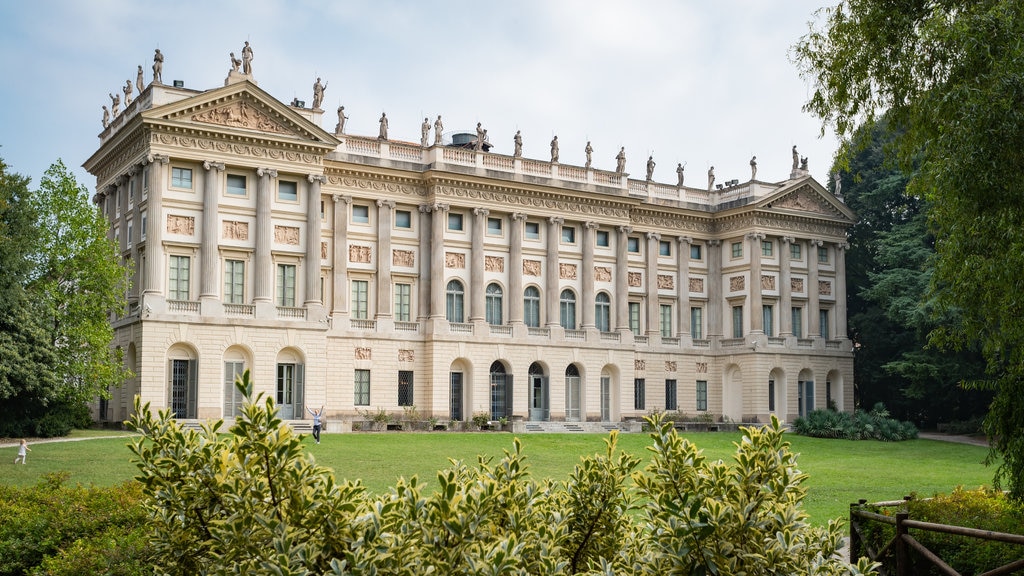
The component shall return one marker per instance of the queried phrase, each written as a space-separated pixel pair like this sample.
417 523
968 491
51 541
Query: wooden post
855 542
902 555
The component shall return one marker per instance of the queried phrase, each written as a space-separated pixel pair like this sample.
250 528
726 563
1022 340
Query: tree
79 282
890 264
253 501
950 74
61 281
26 353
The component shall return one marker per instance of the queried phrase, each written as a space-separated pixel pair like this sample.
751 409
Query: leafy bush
984 509
253 501
860 425
37 523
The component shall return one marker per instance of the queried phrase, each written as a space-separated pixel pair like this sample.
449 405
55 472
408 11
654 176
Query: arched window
494 295
531 306
456 295
603 312
567 307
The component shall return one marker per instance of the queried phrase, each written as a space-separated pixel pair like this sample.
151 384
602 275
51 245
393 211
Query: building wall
379 212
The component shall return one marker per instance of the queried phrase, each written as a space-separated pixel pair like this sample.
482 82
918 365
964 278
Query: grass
840 471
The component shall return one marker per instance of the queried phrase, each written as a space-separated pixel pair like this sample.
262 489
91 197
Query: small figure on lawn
23 449
316 422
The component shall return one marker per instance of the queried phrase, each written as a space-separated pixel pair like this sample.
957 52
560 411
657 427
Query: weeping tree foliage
253 501
950 74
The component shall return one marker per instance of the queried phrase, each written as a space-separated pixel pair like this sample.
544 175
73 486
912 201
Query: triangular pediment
244 110
806 197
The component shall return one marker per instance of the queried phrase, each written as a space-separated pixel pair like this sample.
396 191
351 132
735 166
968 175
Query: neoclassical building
366 274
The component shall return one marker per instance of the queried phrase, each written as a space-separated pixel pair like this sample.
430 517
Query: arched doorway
540 401
805 392
572 393
732 393
183 371
290 384
501 392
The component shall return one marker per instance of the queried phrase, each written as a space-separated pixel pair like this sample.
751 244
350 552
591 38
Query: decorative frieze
697 285
567 271
359 254
323 250
286 235
494 264
737 283
183 225
670 366
767 282
241 114
701 367
796 285
406 355
234 230
824 287
404 258
531 267
454 260
639 364
602 274
363 353
635 279
666 282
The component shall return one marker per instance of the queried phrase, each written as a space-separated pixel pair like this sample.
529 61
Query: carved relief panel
567 271
666 282
737 283
405 258
697 285
359 254
232 230
286 235
602 274
184 225
767 282
454 260
531 267
824 287
635 279
494 264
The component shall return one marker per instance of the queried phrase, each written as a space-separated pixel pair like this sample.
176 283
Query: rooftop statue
383 135
139 83
106 117
680 174
589 150
339 128
650 167
518 140
620 161
711 178
115 104
318 93
247 59
438 129
753 168
425 132
127 93
236 62
554 150
158 67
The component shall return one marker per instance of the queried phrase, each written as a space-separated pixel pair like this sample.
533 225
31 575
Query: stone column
437 226
154 280
756 307
477 288
841 330
340 261
263 276
313 227
813 304
588 299
551 271
622 279
714 289
209 280
785 288
425 260
385 290
653 313
683 283
121 197
515 269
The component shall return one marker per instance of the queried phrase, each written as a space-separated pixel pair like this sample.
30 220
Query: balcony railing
247 310
183 306
361 324
291 312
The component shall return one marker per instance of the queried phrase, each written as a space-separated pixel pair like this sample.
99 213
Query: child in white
23 449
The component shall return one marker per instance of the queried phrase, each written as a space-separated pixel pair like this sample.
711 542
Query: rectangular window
702 395
639 394
405 397
671 402
181 178
823 320
360 299
767 248
634 317
697 323
794 251
234 282
131 192
145 182
360 214
142 226
403 302
602 238
286 285
798 322
494 226
771 395
178 278
568 235
322 213
737 321
666 320
454 221
767 315
532 230
403 219
822 254
236 185
695 252
737 249
287 191
633 245
362 388
664 248
131 227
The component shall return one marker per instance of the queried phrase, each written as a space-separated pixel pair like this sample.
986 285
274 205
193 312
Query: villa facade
367 274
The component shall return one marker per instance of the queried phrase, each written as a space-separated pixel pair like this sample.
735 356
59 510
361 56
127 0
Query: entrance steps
558 427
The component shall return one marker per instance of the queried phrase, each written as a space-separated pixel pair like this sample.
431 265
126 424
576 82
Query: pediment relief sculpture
241 114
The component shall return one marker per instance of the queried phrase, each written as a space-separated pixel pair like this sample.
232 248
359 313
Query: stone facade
361 273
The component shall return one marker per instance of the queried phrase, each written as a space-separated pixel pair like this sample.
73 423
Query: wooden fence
895 556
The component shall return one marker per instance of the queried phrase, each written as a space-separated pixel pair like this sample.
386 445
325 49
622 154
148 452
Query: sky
699 82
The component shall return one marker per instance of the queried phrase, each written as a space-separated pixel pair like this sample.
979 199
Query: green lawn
839 471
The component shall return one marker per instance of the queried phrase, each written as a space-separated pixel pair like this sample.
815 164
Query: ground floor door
606 398
501 392
455 396
539 399
572 394
289 391
805 395
183 383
